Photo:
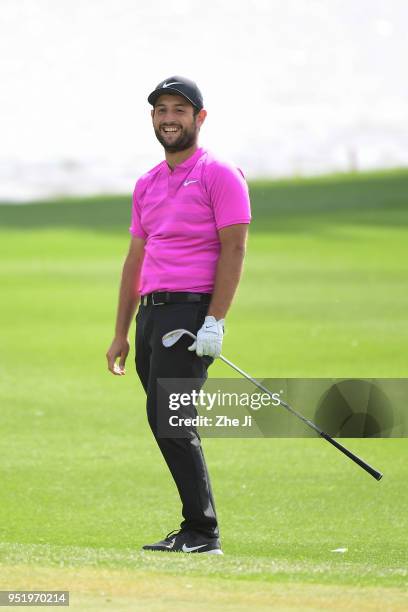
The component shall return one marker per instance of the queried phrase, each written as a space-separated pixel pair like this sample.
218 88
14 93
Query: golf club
174 336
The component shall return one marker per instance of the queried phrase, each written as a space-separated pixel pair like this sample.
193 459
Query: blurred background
292 88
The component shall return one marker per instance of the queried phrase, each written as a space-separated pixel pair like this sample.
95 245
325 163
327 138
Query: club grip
368 468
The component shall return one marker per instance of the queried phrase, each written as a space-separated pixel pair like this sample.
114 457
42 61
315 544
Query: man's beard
186 140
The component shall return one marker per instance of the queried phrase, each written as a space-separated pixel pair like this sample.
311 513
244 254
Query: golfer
190 216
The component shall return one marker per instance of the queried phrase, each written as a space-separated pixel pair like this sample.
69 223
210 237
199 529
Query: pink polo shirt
178 214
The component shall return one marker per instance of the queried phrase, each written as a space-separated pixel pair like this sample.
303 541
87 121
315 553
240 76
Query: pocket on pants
201 314
139 310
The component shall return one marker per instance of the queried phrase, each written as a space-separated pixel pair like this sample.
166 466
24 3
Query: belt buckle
157 303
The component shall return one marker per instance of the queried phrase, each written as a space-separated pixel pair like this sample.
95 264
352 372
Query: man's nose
169 117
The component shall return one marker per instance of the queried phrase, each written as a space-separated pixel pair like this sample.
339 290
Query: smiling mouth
170 130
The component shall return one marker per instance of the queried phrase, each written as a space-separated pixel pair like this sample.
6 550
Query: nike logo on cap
186 548
173 83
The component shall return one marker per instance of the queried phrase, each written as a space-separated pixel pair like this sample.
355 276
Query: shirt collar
189 162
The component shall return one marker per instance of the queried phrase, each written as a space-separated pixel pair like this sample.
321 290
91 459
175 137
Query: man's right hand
119 348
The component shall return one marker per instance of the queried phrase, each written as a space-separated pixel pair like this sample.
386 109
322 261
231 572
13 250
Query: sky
294 87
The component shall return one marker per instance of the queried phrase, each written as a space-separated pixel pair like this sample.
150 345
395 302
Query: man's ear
152 113
201 117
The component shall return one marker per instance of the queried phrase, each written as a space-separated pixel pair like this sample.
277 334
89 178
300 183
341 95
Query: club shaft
368 468
266 390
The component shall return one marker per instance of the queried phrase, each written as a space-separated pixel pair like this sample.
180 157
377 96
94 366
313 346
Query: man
189 225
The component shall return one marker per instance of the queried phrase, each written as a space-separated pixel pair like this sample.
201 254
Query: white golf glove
209 338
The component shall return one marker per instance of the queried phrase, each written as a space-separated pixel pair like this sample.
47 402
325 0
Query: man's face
174 123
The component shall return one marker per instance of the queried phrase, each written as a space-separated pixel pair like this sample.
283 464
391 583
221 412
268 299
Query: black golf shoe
187 542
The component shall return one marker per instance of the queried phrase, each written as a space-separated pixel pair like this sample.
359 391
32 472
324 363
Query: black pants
183 455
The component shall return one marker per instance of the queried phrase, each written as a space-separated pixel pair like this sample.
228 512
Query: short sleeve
229 195
136 228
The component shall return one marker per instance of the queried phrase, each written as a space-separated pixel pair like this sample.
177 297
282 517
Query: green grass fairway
83 485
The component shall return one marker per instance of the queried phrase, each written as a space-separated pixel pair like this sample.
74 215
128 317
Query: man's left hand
209 338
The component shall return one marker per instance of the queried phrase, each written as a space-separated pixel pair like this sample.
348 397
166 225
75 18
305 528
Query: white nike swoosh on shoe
186 548
172 83
188 182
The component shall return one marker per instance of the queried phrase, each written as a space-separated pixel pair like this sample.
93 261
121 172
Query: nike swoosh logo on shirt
173 83
186 548
188 182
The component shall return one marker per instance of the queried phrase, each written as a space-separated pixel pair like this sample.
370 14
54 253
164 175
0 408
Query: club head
174 336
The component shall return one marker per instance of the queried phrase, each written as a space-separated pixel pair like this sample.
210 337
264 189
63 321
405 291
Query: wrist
121 336
217 315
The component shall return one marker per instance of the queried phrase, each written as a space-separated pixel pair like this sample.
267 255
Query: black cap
179 85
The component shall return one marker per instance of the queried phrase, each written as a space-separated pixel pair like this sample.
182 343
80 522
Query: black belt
159 298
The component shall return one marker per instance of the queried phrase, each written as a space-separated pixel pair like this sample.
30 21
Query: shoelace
174 532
